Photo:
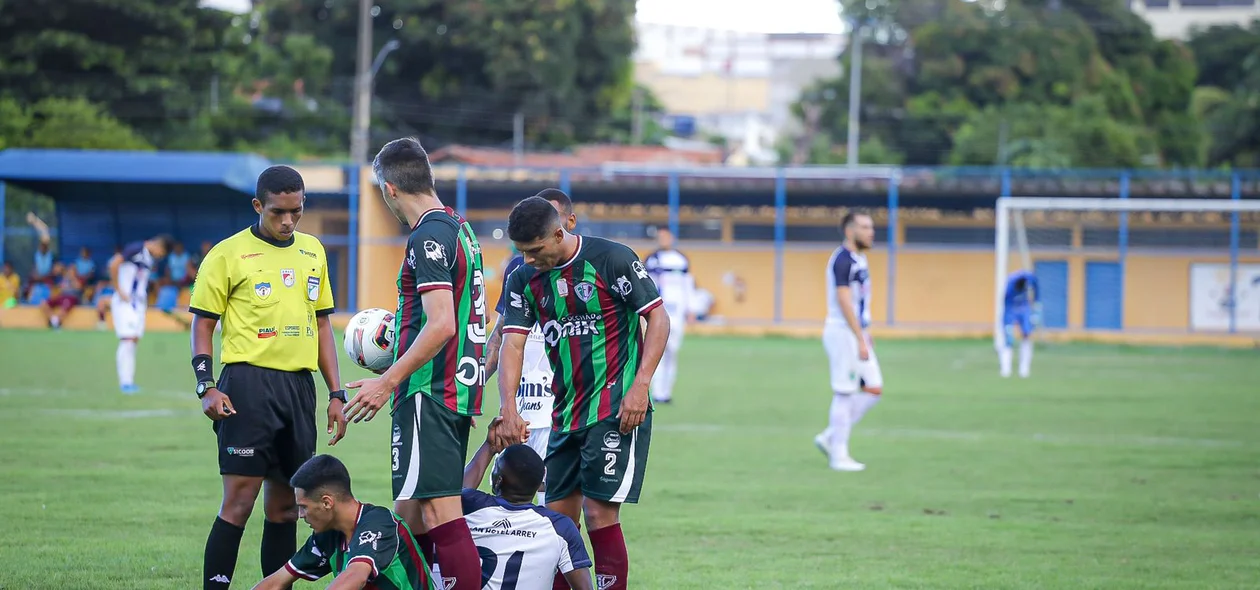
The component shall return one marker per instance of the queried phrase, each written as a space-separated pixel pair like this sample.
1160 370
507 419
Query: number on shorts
612 460
395 462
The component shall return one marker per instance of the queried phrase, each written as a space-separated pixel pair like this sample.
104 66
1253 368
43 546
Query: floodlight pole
855 92
362 86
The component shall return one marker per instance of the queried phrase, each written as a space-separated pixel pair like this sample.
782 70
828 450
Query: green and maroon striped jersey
381 540
443 254
589 310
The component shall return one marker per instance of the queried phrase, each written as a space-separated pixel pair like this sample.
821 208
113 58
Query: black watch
203 387
339 394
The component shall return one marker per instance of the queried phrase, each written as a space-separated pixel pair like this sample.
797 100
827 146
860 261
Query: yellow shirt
9 286
267 295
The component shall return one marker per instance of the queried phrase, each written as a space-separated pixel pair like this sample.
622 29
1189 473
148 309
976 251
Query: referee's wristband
203 365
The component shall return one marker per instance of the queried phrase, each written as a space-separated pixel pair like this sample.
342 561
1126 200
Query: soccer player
361 545
533 398
268 287
856 381
522 546
438 374
129 274
1020 307
589 295
671 271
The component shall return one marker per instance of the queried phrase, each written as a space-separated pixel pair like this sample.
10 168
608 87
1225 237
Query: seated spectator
179 269
67 293
86 268
10 286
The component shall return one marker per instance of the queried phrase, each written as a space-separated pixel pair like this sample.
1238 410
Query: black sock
219 564
279 543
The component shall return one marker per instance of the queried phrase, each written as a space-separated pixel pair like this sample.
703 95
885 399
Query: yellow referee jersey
267 295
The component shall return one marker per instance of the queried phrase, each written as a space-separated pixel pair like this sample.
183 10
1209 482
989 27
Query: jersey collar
426 214
575 254
253 229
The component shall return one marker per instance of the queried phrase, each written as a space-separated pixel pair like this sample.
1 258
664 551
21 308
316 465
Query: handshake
505 431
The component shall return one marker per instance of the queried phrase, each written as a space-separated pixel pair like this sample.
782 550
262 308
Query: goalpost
1219 239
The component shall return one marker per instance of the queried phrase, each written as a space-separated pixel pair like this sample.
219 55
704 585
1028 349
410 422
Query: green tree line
1041 83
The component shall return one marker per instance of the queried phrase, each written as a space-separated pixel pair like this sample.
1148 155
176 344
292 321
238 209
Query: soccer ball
369 339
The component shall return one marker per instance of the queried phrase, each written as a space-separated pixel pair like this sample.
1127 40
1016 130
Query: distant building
737 85
1173 19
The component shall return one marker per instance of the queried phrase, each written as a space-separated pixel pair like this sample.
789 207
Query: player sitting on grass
522 545
360 544
1020 307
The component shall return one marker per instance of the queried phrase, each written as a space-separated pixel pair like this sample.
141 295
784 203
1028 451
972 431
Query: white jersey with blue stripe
671 271
133 273
849 269
522 546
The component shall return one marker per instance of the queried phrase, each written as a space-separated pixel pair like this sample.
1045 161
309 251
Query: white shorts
677 327
128 319
538 438
848 373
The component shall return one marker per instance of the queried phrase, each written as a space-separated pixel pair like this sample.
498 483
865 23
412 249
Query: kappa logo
370 537
288 277
262 290
220 578
605 581
638 269
201 366
584 291
502 523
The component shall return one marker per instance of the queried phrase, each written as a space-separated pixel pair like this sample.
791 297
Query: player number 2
395 461
612 460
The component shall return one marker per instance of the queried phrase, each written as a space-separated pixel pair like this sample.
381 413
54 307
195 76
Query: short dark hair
323 474
168 242
850 217
278 180
521 470
404 164
532 219
555 195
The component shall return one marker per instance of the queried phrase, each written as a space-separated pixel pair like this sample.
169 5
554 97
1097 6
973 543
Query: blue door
1052 275
1104 296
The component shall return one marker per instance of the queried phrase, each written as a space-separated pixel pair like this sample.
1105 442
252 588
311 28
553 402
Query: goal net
1132 265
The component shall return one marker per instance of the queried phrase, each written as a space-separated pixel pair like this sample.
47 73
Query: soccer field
1112 467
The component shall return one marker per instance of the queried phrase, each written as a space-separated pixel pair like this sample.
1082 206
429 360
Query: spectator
86 268
42 271
179 269
10 286
66 294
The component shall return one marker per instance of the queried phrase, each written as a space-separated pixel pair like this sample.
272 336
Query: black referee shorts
272 432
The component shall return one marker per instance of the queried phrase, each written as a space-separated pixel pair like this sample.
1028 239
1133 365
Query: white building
738 85
1173 19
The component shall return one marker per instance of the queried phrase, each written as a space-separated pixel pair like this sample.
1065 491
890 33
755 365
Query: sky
759 16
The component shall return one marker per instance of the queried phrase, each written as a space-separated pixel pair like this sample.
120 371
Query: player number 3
395 461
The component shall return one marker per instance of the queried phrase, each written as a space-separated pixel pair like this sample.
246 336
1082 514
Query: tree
64 123
1051 136
1227 101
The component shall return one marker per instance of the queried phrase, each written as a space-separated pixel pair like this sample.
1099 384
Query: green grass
1112 467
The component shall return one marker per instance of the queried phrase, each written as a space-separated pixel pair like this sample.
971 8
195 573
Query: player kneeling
522 545
360 544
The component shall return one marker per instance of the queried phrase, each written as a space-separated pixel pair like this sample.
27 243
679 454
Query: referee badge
288 276
312 288
263 290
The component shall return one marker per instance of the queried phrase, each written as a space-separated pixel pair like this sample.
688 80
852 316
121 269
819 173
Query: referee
268 285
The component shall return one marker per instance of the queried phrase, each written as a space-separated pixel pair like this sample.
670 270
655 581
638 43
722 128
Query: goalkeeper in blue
1022 308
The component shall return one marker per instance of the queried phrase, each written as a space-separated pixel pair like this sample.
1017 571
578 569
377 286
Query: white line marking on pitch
975 436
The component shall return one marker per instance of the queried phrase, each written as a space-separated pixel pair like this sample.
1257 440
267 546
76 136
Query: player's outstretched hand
373 393
216 405
634 408
336 421
507 430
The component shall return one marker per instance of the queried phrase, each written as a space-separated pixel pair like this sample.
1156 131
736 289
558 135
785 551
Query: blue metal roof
69 174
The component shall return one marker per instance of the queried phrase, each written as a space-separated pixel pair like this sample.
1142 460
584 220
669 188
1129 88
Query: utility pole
855 92
636 121
362 86
518 136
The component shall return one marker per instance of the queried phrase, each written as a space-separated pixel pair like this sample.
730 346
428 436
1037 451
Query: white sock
663 379
860 404
1004 360
1025 357
126 362
841 424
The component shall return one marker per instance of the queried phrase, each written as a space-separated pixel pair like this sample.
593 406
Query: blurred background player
10 286
856 381
129 273
541 541
1020 307
361 545
671 271
534 398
